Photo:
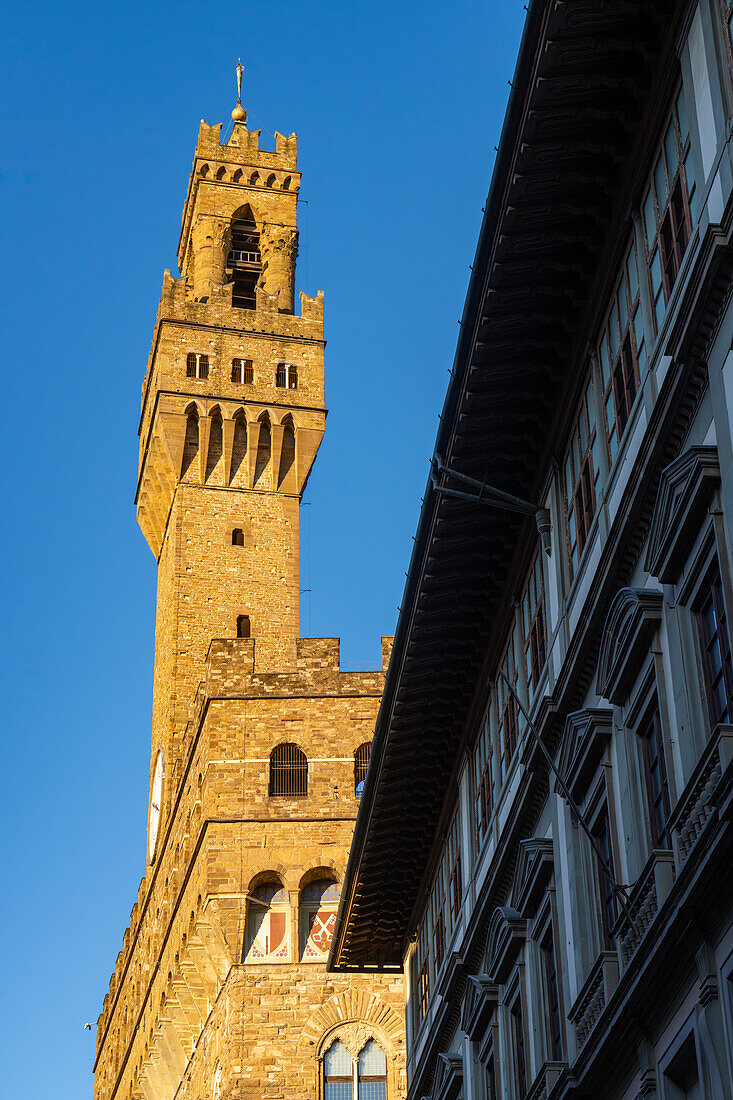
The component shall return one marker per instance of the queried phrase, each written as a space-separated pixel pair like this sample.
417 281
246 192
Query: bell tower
260 741
232 417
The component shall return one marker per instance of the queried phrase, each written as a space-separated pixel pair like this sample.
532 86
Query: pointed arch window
288 771
361 1078
268 918
318 904
361 765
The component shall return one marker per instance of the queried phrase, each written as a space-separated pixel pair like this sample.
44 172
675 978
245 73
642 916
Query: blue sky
397 107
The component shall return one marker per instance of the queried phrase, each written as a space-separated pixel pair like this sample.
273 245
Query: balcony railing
545 1080
696 806
594 996
238 256
645 901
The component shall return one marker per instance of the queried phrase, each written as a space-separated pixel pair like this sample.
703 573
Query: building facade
545 840
259 741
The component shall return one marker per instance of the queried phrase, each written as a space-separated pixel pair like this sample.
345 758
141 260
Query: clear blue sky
397 107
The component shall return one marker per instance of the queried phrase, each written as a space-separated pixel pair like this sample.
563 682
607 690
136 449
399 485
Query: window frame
534 623
197 365
706 591
661 295
286 376
580 477
295 764
622 351
650 733
242 371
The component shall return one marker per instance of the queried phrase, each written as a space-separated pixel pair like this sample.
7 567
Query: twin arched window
288 771
269 919
361 1078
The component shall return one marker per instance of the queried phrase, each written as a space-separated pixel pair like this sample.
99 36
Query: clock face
155 801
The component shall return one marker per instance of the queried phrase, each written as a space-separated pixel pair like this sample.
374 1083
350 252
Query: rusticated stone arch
352 1007
319 868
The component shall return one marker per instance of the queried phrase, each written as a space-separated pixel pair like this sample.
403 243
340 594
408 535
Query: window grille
622 352
286 376
581 478
288 771
243 625
655 770
715 643
508 731
197 365
670 207
361 764
533 624
237 537
242 371
484 780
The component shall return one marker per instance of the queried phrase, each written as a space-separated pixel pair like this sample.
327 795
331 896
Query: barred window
533 624
622 352
508 731
483 780
581 478
670 207
242 371
715 642
286 376
288 771
361 764
197 365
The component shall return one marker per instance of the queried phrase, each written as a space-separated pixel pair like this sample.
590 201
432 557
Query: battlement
243 146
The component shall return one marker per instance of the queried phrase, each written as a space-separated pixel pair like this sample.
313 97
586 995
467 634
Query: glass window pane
623 314
594 452
582 432
613 330
372 1090
603 350
656 269
660 184
372 1061
682 115
569 479
337 1062
633 274
650 224
338 1090
670 150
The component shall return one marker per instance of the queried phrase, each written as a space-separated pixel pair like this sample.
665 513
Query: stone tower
259 740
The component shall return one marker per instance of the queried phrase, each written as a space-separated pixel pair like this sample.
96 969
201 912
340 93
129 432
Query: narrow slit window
238 537
243 626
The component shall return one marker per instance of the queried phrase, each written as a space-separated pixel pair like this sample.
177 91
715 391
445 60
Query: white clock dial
155 801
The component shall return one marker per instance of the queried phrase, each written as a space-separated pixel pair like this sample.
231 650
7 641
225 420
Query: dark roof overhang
579 91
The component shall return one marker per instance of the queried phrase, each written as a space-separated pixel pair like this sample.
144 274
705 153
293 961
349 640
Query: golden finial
239 114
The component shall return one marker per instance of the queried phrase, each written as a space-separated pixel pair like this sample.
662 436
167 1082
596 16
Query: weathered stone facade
232 417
